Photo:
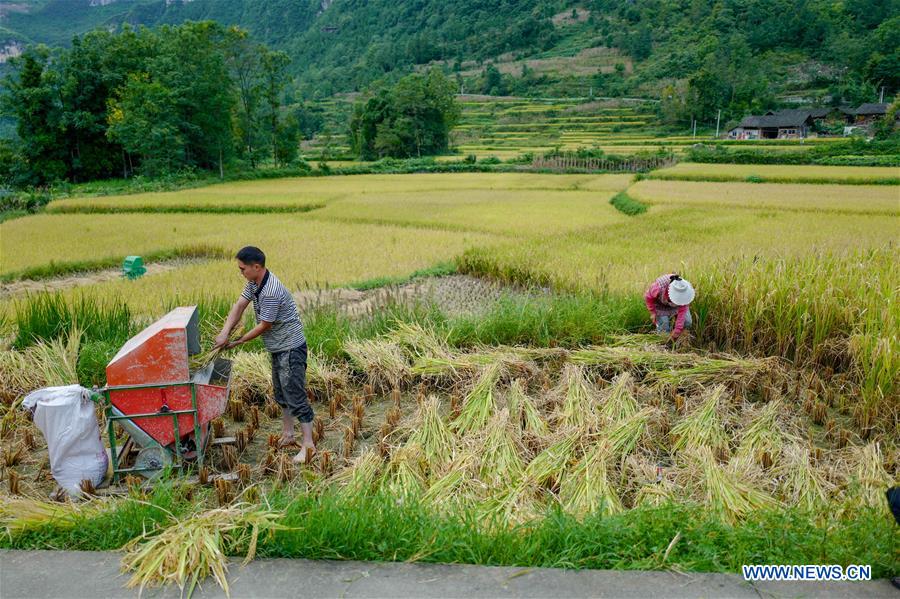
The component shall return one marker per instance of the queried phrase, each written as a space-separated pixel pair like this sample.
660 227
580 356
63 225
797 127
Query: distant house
866 114
783 124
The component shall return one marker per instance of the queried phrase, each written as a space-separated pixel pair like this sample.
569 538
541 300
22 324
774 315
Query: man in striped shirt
282 333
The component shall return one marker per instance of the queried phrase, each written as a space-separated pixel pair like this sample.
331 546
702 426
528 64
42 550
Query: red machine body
151 375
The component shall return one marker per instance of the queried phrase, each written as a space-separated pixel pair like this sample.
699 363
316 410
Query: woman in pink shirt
669 296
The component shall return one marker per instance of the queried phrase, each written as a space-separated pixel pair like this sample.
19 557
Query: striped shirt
274 303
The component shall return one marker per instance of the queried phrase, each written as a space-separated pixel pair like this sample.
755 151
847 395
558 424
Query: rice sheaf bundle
801 484
618 400
868 478
577 405
405 472
432 434
763 436
586 488
359 477
523 412
251 377
480 404
499 454
417 341
190 549
726 492
380 359
702 427
623 436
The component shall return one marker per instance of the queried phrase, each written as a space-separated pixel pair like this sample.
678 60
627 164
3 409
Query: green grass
49 316
381 528
628 205
438 270
92 208
775 179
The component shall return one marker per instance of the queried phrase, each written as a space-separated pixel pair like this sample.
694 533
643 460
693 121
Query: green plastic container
133 267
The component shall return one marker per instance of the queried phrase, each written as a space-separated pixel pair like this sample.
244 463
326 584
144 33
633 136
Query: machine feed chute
162 404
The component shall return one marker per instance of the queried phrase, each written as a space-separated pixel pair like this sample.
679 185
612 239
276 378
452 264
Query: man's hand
221 340
653 318
232 344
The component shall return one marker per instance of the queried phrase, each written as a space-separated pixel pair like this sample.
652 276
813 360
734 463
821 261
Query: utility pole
718 116
881 98
695 129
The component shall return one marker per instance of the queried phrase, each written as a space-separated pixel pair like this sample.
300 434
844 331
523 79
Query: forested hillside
698 56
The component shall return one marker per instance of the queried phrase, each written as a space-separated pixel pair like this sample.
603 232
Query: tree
273 72
413 118
145 120
492 82
33 99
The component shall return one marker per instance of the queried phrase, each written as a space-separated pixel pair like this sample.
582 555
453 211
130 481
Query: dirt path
454 295
82 279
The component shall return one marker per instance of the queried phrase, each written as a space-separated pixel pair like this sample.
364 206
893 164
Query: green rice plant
618 400
703 426
190 549
800 483
726 491
586 488
479 405
47 316
432 434
524 413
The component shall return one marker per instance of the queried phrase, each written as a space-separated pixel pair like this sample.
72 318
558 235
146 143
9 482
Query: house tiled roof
871 108
783 118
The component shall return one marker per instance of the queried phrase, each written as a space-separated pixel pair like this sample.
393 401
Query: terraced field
510 128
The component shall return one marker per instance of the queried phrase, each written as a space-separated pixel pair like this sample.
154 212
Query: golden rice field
852 199
779 172
308 252
786 401
624 257
508 212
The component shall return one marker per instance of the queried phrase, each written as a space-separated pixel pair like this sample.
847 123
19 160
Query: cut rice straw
703 426
586 488
618 401
578 398
523 412
189 550
480 404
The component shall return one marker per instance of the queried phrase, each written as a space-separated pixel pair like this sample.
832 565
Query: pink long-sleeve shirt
657 300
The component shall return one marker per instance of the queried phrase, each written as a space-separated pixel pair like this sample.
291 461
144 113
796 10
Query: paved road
95 575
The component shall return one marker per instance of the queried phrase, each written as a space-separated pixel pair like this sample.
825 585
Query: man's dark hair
251 255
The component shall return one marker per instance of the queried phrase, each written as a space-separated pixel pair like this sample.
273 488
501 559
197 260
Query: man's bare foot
305 455
286 440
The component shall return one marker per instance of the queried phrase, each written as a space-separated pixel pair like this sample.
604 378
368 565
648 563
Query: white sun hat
681 293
